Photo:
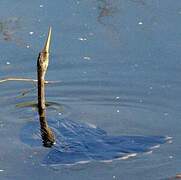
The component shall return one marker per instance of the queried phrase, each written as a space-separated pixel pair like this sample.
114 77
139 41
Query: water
119 67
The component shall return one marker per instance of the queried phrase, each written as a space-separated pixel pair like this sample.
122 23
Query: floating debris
82 39
86 58
8 63
140 23
41 5
31 32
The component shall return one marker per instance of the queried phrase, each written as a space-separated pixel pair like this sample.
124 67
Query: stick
25 79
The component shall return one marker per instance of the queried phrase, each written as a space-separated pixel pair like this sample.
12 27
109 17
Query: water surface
119 66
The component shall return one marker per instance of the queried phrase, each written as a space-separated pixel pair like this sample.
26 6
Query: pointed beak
47 44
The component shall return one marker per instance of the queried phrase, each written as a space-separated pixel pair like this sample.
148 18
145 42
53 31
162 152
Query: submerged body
78 142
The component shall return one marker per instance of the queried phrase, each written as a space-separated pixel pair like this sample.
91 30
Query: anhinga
48 137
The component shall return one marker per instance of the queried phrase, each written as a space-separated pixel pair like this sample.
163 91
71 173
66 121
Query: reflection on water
106 8
8 28
61 109
107 12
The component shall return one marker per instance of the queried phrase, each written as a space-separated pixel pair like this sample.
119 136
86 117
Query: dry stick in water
24 79
42 65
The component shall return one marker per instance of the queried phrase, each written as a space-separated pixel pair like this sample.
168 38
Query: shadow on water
78 142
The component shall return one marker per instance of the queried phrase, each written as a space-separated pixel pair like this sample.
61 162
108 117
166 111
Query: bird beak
47 44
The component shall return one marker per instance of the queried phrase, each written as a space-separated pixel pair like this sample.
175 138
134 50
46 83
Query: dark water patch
81 143
106 8
8 29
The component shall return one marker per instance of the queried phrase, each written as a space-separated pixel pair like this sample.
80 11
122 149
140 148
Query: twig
25 79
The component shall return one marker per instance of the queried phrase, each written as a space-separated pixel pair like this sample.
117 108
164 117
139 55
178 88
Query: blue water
118 63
